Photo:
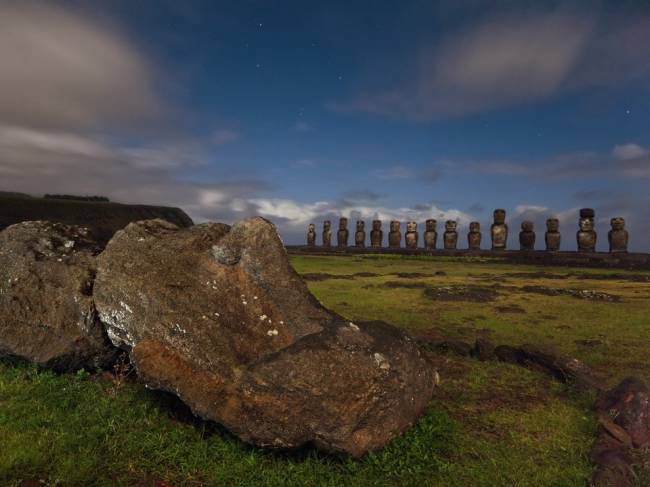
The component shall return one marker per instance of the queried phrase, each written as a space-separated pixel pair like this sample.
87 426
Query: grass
490 424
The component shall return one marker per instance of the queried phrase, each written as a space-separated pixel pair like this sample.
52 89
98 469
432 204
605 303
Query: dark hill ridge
102 218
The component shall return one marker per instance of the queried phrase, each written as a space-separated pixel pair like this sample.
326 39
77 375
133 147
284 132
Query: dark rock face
411 235
586 236
217 316
394 236
450 237
46 310
474 236
527 236
499 230
618 236
343 234
102 218
628 405
552 236
430 235
311 235
360 234
483 349
376 234
327 233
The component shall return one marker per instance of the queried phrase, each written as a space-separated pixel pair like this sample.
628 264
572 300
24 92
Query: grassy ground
491 424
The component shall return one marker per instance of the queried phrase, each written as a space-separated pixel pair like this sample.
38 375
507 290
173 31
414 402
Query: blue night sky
301 111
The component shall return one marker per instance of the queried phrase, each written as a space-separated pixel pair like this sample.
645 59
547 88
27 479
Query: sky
301 111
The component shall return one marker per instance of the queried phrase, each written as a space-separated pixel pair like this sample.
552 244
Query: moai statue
327 233
343 233
474 236
527 236
552 236
450 237
360 234
376 234
499 230
588 213
431 235
311 235
618 236
586 236
411 235
394 236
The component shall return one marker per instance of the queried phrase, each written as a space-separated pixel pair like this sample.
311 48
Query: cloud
302 126
511 58
62 70
223 137
394 172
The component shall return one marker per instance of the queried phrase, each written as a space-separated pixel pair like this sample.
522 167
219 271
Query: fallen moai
217 316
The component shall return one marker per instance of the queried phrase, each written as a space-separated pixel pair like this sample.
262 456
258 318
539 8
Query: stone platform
636 261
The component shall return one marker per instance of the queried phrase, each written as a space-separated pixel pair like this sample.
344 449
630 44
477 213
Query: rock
483 349
455 346
509 354
217 316
628 404
46 309
562 367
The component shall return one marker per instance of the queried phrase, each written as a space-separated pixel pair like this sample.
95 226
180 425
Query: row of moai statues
586 236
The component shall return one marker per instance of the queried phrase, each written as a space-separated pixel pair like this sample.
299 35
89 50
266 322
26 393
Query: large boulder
217 316
47 313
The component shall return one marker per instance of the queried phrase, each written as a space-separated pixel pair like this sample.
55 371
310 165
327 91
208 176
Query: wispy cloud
395 172
512 58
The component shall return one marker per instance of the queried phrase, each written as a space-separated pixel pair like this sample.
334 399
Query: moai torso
430 235
586 236
343 233
450 237
376 234
327 233
527 236
360 234
394 236
311 235
474 236
552 235
499 230
618 236
411 235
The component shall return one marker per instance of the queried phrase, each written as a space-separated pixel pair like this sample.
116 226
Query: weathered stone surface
360 234
411 235
499 230
217 316
327 233
527 236
552 237
586 236
46 309
431 234
394 236
618 237
628 404
343 234
376 234
311 235
450 237
474 236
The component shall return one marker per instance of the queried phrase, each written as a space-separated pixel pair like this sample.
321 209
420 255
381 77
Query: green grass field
490 423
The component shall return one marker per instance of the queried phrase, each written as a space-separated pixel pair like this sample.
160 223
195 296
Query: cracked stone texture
46 310
217 316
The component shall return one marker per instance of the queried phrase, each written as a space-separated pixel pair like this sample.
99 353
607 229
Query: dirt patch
476 294
323 276
511 308
576 293
405 285
410 275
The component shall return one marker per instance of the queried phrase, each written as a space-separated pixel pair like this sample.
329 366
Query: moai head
343 223
586 224
587 213
474 227
553 225
450 225
327 225
360 225
376 224
527 226
618 223
411 227
311 228
431 225
394 226
499 216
